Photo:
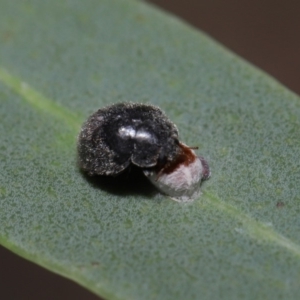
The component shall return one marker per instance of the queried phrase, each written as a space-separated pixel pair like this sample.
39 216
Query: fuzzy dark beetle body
124 133
129 133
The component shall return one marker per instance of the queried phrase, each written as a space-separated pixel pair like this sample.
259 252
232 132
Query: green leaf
61 61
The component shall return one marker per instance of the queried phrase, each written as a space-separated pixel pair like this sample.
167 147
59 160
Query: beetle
116 136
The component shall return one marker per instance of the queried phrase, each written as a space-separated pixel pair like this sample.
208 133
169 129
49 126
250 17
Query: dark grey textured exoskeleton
116 136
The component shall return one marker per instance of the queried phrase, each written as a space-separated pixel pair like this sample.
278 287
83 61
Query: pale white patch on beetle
127 132
143 135
183 183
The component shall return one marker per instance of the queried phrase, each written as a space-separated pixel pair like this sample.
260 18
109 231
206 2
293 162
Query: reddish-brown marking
185 158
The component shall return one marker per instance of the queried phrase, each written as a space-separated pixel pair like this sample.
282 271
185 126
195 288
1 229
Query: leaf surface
62 60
